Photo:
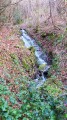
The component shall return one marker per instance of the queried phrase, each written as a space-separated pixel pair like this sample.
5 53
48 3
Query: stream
41 57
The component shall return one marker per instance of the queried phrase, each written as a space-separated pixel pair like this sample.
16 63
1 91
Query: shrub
36 104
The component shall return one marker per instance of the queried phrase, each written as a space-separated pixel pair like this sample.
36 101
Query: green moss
14 58
19 21
25 64
42 67
22 44
55 64
32 49
1 63
28 61
51 36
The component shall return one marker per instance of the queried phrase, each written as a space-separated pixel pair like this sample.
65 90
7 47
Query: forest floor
15 59
19 96
52 41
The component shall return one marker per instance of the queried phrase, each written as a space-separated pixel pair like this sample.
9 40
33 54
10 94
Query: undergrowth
21 100
29 103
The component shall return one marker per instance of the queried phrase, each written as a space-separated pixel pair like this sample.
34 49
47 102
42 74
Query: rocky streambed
41 57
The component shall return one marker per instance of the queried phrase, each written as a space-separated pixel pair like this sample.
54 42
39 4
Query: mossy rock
42 67
32 49
28 61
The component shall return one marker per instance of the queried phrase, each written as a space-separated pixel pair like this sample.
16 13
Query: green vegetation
14 58
39 43
20 97
31 103
59 39
42 67
1 63
29 61
55 64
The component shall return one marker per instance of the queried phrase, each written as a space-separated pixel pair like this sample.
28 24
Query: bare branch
9 4
2 9
51 16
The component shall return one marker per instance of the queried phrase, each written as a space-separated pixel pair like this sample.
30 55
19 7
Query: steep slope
15 59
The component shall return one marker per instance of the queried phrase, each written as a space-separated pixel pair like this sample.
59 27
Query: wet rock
41 58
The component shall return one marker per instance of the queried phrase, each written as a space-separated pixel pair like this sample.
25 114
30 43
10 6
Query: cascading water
40 57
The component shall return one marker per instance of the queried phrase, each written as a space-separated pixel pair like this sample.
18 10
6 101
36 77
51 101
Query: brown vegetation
14 57
47 14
